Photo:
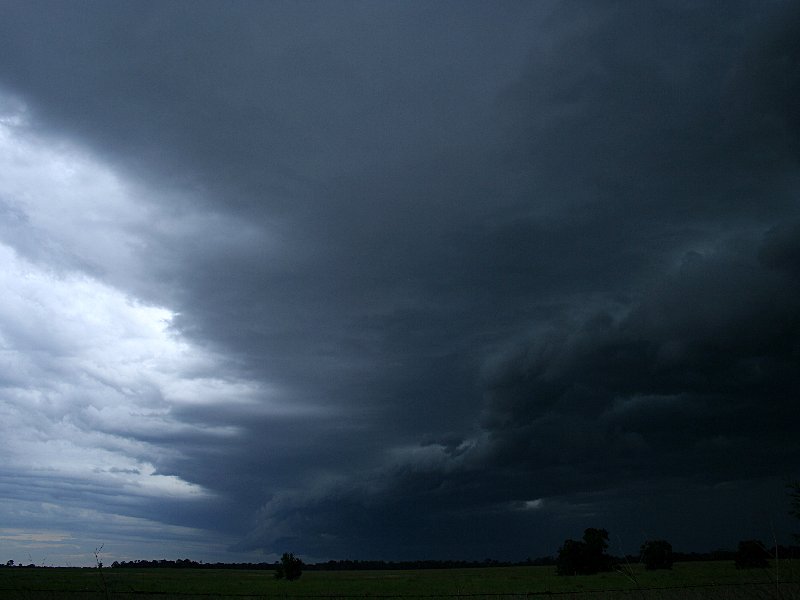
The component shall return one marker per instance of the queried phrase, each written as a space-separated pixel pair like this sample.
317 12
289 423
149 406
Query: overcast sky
396 280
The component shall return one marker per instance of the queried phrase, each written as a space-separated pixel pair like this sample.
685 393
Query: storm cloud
396 281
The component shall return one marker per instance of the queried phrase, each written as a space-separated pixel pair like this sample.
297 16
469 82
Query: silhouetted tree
657 554
585 557
794 495
596 541
751 555
290 567
571 558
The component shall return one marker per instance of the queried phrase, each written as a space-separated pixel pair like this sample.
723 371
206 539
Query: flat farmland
685 580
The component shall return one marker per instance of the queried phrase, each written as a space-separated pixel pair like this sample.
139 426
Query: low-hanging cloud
404 281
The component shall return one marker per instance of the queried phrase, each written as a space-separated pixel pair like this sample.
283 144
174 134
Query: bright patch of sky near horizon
90 374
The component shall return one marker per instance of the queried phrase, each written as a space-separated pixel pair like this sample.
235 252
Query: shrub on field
657 554
570 558
585 557
290 567
751 555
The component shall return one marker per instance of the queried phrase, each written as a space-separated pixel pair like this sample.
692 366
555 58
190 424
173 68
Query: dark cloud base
500 273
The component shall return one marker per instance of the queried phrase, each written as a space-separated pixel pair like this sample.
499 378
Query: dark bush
571 559
290 567
657 554
585 557
751 555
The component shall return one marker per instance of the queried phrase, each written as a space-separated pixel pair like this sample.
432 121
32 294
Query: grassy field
685 580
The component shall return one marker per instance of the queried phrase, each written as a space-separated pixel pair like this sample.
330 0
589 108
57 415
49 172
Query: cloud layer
404 281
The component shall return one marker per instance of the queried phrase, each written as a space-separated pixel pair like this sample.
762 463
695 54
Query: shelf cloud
396 281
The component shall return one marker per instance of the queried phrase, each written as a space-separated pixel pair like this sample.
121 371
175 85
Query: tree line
575 557
335 565
588 555
652 552
185 563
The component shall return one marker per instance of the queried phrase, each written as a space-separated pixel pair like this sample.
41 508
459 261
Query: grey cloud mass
397 280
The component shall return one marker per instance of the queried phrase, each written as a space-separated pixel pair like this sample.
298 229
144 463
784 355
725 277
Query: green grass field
685 580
